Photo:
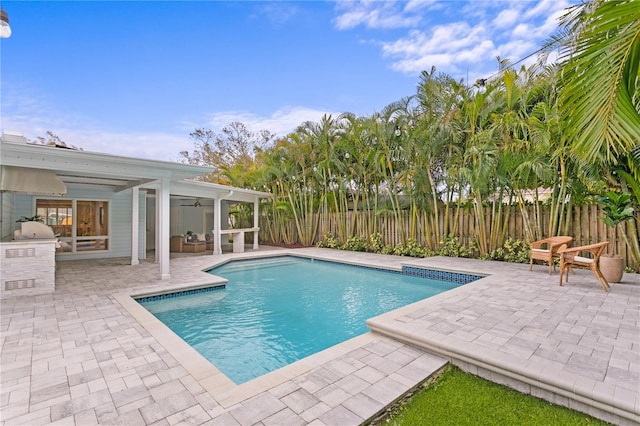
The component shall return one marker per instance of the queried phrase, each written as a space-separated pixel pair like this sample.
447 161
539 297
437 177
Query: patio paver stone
87 355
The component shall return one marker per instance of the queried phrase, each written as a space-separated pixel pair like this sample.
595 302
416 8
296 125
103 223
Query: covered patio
107 206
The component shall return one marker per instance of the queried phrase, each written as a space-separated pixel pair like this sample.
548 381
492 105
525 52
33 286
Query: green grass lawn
458 398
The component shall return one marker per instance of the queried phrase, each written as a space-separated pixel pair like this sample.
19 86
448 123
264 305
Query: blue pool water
276 311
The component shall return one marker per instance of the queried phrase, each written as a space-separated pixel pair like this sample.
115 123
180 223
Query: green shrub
399 250
355 244
452 247
513 250
328 241
375 243
412 249
387 249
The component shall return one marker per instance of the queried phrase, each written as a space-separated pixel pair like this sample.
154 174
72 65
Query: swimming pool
276 311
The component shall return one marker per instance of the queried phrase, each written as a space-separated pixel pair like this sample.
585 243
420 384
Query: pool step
254 264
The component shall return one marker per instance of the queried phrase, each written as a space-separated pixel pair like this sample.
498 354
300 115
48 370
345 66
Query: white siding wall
187 218
150 225
6 216
175 222
23 205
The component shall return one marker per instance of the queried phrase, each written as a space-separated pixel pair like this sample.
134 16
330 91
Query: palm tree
601 90
601 79
439 137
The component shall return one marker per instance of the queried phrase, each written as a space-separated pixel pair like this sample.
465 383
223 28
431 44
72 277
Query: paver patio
88 353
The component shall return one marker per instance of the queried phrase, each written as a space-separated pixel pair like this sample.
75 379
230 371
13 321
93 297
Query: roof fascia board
132 184
187 189
225 188
214 191
207 190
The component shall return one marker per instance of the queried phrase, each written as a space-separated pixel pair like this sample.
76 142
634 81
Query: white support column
145 224
162 227
135 225
224 220
156 234
256 222
217 241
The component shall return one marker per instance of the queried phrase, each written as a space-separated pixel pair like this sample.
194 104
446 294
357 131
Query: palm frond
600 80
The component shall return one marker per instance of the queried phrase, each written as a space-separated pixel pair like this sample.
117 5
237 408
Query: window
82 225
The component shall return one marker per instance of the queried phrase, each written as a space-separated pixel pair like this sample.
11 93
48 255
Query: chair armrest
538 244
571 250
567 255
595 249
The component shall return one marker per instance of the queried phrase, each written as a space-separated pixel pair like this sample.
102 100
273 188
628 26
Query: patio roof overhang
84 168
191 188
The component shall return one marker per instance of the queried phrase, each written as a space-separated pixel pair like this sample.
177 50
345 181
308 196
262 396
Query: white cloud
521 30
376 14
545 8
477 53
506 18
34 116
467 37
448 48
417 5
281 122
516 50
154 145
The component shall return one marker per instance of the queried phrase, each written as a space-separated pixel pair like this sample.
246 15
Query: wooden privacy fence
584 227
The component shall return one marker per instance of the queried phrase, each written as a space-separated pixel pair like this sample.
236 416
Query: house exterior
102 205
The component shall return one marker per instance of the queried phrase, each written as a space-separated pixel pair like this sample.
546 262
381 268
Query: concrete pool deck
89 354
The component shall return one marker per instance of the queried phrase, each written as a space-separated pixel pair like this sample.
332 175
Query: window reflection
81 225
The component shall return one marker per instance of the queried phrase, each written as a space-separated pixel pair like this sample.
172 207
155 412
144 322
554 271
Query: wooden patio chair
547 250
569 258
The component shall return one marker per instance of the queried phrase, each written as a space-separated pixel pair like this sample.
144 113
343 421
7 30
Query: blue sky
136 77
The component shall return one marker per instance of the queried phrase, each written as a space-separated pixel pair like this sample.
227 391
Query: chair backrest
561 239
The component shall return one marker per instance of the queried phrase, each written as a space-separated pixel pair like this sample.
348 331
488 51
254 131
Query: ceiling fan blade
196 204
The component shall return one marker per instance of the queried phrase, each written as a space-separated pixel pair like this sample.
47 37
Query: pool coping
226 392
538 378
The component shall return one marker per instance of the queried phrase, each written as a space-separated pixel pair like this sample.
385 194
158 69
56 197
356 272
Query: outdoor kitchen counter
28 267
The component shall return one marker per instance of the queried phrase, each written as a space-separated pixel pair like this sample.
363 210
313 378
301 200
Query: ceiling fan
196 204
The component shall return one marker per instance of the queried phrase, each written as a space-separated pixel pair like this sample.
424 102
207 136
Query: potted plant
189 235
36 218
617 209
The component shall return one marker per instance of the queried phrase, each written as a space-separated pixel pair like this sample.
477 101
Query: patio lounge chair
179 244
547 250
569 258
